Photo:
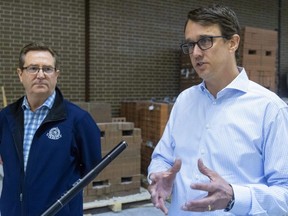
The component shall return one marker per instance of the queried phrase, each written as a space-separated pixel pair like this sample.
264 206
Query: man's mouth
199 64
39 84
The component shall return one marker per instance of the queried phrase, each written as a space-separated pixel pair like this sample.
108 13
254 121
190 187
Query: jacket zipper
22 192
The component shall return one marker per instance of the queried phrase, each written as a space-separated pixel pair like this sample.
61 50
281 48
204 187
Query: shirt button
207 126
202 151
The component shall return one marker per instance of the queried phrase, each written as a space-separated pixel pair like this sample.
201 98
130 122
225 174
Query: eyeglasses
35 69
203 43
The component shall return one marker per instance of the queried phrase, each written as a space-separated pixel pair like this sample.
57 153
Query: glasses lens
187 48
205 43
32 69
35 69
48 69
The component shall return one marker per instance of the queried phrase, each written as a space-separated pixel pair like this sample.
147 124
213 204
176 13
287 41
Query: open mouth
199 64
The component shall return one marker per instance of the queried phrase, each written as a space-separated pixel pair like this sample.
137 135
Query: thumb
205 170
175 168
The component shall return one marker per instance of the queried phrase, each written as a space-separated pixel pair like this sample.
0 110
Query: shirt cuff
243 200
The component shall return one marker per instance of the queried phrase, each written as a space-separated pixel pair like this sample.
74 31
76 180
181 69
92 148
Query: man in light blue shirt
225 147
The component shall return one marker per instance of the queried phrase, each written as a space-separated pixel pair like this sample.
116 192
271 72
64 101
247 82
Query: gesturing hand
161 186
219 192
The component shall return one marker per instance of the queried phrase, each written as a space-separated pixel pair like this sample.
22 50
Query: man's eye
33 68
191 45
48 69
205 40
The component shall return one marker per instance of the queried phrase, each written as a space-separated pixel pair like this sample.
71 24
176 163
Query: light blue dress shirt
242 134
32 121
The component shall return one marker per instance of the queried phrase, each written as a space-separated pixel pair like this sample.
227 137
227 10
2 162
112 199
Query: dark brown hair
36 46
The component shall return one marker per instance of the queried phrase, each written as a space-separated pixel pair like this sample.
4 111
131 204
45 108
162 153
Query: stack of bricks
257 50
131 111
123 175
100 111
151 117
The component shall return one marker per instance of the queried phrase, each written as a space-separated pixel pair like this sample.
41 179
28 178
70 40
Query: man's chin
40 88
41 91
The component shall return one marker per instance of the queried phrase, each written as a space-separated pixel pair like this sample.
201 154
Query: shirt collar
48 102
240 83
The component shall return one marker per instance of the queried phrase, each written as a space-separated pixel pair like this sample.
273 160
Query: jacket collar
57 112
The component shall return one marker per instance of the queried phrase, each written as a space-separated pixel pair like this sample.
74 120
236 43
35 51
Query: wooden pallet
115 203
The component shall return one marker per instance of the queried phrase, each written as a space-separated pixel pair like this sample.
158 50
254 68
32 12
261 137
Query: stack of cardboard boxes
258 49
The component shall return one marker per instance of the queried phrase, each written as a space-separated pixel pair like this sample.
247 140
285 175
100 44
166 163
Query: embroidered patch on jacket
54 133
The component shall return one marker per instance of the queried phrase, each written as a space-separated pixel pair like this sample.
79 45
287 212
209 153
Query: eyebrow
200 37
36 65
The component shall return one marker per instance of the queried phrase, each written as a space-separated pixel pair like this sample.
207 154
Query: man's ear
19 72
234 43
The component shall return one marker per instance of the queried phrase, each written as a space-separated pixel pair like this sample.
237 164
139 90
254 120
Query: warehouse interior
121 61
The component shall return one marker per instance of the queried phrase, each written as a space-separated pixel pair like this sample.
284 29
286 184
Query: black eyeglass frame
40 68
191 45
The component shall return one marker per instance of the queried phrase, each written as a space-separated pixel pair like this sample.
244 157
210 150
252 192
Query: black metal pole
81 183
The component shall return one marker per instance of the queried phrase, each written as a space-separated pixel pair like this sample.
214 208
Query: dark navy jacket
64 148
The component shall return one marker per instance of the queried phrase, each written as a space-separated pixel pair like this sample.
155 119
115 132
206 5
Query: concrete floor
136 209
130 205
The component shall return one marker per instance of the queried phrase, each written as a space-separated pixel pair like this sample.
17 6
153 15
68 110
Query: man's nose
197 51
40 72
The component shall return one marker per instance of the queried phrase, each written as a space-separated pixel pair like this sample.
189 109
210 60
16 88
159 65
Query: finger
197 205
205 170
202 187
161 205
155 177
153 196
176 166
157 199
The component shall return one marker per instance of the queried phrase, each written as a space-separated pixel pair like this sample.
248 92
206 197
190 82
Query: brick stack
188 76
122 176
100 111
131 110
258 55
151 117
